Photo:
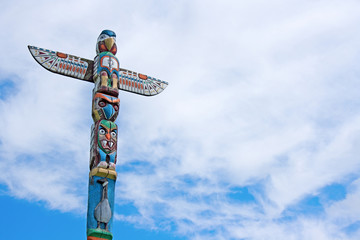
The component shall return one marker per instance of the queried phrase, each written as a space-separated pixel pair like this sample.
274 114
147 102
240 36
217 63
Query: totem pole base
98 234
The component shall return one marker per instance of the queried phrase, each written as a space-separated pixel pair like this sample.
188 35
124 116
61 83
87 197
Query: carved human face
107 136
105 107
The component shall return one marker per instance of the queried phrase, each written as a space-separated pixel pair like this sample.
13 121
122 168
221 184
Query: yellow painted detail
103 172
109 42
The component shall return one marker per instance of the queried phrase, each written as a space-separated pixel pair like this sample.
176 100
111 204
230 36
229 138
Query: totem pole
108 77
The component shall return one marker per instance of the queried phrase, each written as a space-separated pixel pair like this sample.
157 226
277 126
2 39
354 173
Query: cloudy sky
256 137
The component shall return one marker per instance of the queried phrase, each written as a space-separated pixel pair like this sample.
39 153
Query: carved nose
107 135
109 42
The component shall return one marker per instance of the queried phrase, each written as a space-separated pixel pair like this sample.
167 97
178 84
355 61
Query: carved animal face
106 42
105 107
107 136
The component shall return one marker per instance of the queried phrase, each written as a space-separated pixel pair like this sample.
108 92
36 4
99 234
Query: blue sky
256 137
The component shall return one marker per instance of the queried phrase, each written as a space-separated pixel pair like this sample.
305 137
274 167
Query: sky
256 137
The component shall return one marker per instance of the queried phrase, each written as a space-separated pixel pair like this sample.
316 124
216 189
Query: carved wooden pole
108 77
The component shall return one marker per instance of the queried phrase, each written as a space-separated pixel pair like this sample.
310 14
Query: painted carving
106 42
106 65
100 207
108 79
104 145
105 107
102 211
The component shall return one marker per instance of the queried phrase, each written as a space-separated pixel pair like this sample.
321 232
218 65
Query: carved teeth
107 144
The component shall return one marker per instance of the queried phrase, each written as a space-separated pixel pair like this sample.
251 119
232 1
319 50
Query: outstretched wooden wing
81 68
140 83
64 64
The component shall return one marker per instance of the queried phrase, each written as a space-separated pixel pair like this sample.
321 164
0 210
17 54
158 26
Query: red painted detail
95 238
40 53
142 76
102 47
116 107
102 103
61 55
113 49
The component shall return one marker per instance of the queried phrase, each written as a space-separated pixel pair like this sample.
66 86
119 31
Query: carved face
105 107
106 42
107 136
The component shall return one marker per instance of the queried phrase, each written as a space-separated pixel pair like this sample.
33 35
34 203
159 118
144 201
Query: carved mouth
107 144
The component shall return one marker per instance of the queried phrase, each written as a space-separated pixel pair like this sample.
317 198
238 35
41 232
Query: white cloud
261 93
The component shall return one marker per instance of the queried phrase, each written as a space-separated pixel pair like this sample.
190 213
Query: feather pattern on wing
64 64
140 83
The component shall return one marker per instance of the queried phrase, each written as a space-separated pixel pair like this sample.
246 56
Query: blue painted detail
109 33
103 156
109 72
108 110
94 197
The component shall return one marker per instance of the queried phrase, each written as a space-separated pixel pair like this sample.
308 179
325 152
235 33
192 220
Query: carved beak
109 42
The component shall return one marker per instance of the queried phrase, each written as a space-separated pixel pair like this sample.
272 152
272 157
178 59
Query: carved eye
102 131
102 37
113 133
116 107
102 103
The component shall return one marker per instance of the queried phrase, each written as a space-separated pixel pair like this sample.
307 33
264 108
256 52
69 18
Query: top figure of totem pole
109 78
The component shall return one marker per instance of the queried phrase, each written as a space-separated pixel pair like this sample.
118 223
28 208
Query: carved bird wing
140 83
64 64
81 68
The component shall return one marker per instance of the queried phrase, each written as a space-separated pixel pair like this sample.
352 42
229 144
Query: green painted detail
107 54
100 233
105 151
108 124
